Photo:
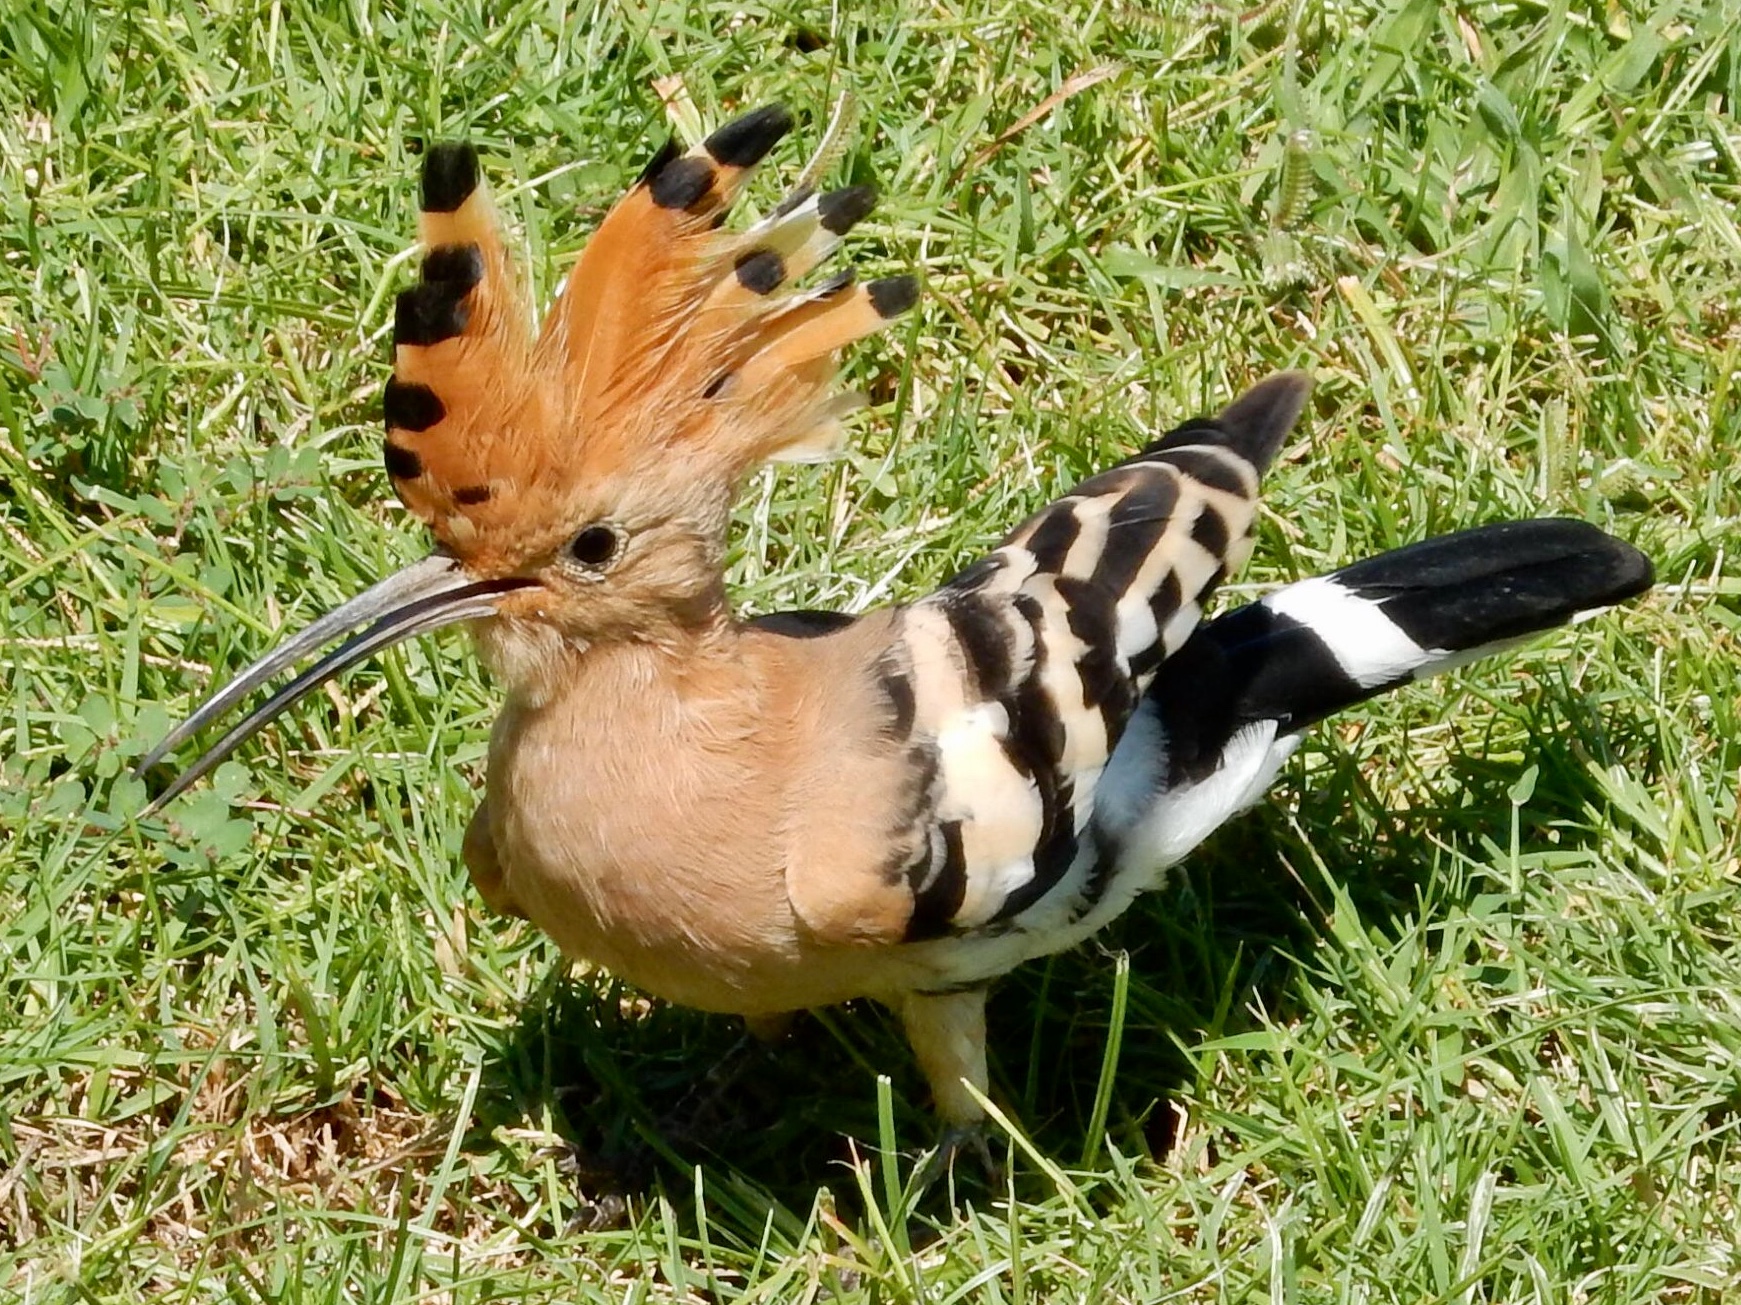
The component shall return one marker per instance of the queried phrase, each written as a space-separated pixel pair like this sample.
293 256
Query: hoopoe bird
759 817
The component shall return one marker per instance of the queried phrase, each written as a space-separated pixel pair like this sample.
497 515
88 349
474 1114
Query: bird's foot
957 1138
602 1202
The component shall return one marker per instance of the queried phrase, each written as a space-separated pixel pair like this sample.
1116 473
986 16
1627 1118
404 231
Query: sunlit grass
1454 1018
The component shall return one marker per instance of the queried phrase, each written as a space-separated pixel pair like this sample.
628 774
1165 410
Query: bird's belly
647 921
707 924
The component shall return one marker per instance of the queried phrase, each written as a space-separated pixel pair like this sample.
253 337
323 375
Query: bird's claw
956 1139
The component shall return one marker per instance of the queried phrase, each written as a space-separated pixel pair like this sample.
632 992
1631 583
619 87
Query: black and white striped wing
1014 682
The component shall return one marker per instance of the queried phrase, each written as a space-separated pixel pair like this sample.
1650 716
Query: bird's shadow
643 1091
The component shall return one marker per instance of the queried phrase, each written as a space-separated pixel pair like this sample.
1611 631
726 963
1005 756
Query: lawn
1455 1017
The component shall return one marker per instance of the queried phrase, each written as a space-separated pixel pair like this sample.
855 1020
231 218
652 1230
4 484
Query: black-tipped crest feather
429 313
839 211
893 295
459 267
744 142
760 271
666 153
408 405
682 183
401 463
450 175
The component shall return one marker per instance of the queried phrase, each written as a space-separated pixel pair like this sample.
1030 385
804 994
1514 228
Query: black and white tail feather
1230 707
1075 730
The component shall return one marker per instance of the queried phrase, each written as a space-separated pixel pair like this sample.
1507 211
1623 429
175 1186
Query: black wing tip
450 175
1256 423
745 141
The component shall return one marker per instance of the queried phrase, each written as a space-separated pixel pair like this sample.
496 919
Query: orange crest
675 349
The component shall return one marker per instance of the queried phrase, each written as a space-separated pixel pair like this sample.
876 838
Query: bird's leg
947 1034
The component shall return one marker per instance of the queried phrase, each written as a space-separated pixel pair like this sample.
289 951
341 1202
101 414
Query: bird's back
1006 692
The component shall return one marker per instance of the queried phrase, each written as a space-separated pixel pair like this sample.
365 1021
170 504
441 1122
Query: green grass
1456 1017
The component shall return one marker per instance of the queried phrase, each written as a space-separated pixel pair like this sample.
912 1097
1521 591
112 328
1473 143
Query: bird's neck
538 664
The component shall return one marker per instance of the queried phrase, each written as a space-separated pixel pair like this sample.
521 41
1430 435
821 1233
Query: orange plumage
675 354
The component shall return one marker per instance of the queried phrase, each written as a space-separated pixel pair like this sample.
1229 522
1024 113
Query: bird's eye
595 547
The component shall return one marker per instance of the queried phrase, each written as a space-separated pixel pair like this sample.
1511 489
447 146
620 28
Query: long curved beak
423 596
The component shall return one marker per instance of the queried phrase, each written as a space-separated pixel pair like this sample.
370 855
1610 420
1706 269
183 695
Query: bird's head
577 477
